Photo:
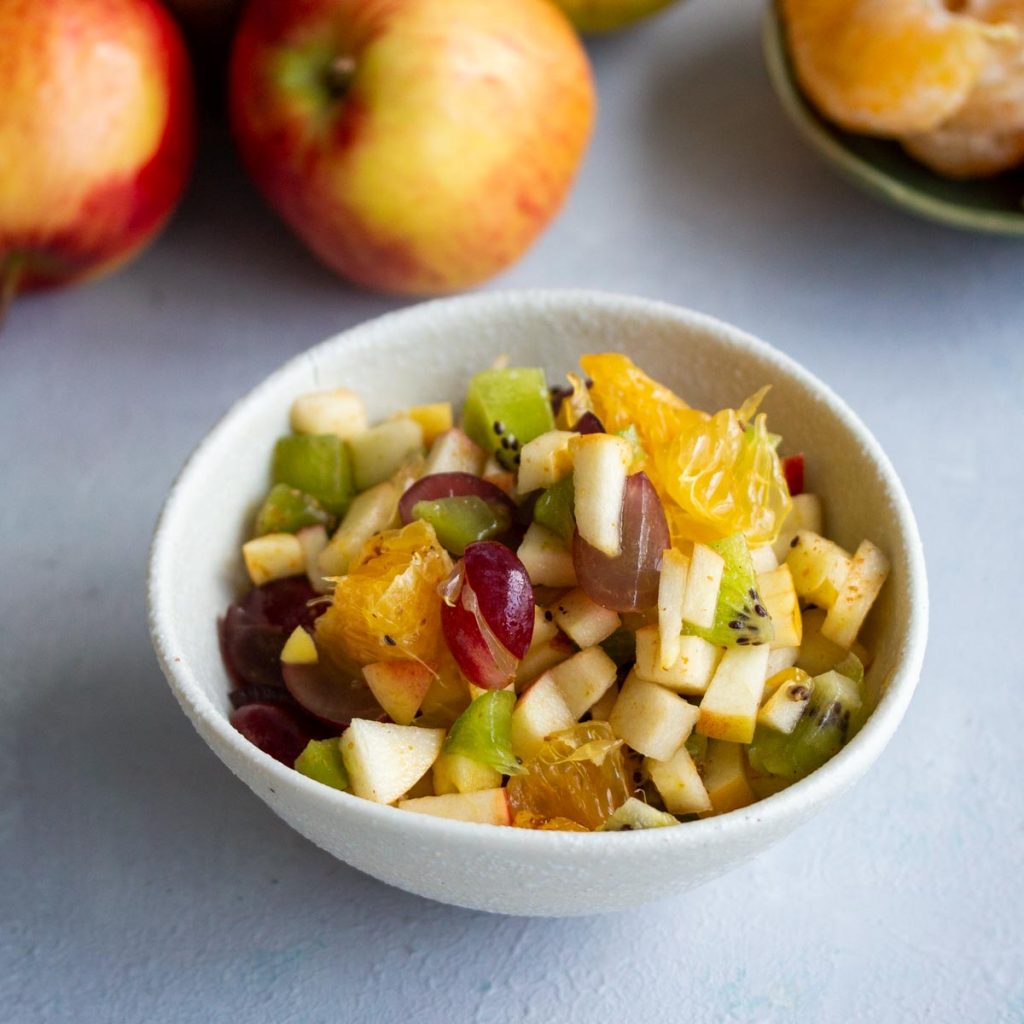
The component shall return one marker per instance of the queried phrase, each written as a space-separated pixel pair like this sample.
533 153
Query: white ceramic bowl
427 353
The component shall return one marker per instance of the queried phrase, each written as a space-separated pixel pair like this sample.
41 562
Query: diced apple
584 679
299 649
503 480
867 575
456 773
778 595
763 558
548 562
788 702
806 514
454 452
340 412
689 674
314 540
675 568
702 585
819 567
370 512
783 657
728 711
544 627
725 777
584 620
540 657
601 464
654 721
545 460
679 783
538 713
384 761
484 806
434 419
379 452
399 687
273 556
601 710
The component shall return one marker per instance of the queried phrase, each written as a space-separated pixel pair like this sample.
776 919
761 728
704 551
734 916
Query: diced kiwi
635 814
483 732
461 520
321 761
740 615
317 464
287 510
505 409
621 646
554 508
818 736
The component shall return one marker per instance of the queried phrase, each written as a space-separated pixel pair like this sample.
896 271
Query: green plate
881 167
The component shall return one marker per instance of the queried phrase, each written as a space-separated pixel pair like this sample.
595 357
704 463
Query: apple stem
10 276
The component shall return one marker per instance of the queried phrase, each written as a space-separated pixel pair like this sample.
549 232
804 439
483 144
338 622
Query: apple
538 713
601 464
385 761
654 721
728 710
96 136
484 806
416 147
399 687
608 15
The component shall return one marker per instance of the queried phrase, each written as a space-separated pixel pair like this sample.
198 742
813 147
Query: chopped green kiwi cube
321 761
483 732
740 616
635 814
507 408
621 646
461 520
818 736
287 510
317 464
554 509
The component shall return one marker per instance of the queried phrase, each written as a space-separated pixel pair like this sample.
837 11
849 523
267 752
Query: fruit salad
585 607
944 77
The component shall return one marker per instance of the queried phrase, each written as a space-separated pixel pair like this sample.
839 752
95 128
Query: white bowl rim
842 770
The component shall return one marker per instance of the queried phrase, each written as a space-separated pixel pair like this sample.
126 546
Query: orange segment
388 606
885 67
967 154
996 104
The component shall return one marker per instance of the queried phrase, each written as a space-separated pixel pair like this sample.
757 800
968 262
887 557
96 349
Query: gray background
141 882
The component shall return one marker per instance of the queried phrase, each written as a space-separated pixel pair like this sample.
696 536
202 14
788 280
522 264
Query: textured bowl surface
427 353
882 168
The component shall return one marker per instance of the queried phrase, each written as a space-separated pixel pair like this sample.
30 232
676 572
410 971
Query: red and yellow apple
416 147
96 135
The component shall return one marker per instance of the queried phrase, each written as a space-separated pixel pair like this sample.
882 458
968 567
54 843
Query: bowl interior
881 167
429 353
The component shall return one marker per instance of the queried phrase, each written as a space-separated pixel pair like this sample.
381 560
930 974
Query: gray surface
143 883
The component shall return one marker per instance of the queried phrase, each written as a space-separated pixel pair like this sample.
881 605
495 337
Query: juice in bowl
535 602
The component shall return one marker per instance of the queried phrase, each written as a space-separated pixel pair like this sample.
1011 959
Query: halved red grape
588 423
793 471
451 485
487 616
330 695
628 582
504 593
466 639
272 728
284 603
263 695
254 630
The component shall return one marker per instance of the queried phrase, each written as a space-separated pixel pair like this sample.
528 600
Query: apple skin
97 135
608 15
450 139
